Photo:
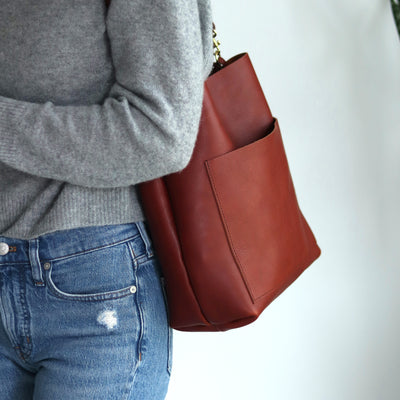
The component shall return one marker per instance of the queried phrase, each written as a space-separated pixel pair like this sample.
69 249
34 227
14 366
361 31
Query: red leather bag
227 230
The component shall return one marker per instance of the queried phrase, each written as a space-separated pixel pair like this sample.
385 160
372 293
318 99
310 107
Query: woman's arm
147 126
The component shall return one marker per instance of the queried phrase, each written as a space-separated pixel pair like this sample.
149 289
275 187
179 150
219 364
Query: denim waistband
72 241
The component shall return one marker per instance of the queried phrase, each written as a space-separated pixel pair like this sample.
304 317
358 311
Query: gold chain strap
217 51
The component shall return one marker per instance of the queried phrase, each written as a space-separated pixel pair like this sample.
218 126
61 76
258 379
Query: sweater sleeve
147 125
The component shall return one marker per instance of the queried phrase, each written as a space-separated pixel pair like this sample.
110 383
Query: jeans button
4 249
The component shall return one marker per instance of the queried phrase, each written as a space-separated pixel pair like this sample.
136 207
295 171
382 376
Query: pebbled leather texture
227 230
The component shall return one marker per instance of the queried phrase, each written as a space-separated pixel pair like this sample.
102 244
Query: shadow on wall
396 13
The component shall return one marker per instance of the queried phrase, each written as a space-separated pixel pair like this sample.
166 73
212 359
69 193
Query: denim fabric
83 316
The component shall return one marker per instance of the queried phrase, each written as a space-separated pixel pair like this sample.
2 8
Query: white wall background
331 73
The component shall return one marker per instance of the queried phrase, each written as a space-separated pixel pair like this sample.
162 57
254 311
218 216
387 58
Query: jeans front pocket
100 274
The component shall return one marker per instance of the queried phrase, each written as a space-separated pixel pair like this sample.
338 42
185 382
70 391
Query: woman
93 101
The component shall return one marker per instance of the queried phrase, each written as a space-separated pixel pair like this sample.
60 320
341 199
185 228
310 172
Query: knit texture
93 102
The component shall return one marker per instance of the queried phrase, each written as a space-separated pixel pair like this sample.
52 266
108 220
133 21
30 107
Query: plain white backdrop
330 71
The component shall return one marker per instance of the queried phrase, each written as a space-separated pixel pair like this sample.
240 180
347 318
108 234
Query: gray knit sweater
93 102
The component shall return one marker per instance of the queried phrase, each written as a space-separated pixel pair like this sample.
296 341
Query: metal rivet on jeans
4 249
46 266
133 289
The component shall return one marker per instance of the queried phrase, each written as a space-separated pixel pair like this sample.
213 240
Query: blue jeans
83 316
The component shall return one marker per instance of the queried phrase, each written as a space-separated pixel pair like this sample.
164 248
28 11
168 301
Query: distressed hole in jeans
108 318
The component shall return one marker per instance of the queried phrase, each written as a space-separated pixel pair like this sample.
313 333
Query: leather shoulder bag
227 230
